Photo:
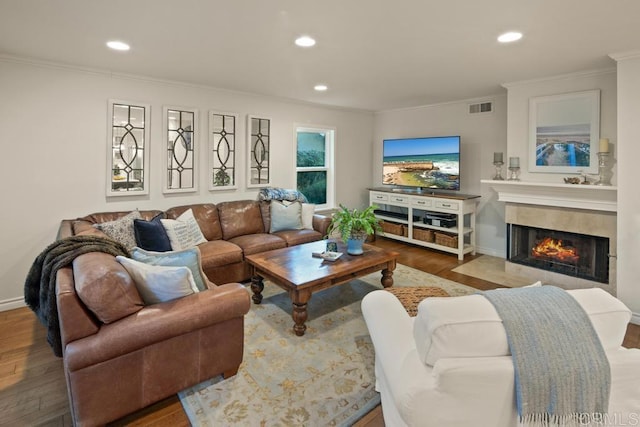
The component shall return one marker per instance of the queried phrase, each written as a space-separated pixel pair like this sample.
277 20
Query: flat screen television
431 163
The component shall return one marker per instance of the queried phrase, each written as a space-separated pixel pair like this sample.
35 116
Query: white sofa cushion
469 326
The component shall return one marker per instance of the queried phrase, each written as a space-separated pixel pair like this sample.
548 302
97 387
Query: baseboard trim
11 304
635 318
489 251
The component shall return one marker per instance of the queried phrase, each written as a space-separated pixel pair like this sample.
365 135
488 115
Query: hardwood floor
33 389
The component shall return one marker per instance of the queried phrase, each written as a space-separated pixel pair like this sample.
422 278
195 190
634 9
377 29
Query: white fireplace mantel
590 197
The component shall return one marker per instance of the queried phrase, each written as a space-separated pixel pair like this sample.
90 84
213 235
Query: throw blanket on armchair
40 285
562 374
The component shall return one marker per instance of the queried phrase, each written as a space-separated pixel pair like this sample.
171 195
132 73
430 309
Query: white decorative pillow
121 229
159 283
184 231
285 216
466 326
308 209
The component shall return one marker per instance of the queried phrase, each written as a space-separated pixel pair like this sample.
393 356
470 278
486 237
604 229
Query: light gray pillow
285 216
158 283
186 258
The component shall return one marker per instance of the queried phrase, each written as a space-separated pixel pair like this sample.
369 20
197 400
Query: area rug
324 378
491 269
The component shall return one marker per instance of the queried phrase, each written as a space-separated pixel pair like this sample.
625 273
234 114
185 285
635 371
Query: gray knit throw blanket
562 374
40 285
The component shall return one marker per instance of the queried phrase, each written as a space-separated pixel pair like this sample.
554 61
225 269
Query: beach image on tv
567 145
422 162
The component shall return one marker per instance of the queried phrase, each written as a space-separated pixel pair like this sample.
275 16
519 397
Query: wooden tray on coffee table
295 270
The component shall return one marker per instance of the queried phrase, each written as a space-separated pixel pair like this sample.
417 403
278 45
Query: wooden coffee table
297 272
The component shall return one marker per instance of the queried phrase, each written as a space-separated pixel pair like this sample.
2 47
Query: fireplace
579 211
571 254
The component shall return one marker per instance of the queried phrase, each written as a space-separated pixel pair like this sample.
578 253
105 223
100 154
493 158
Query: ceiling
373 54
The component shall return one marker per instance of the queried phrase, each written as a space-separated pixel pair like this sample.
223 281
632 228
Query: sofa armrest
321 223
75 320
65 229
159 322
625 376
390 328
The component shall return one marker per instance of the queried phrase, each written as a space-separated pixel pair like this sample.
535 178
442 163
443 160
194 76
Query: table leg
387 278
299 317
299 313
256 287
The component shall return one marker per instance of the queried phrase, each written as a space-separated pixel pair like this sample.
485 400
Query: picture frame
564 131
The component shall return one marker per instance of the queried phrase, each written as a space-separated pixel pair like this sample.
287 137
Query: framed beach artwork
564 131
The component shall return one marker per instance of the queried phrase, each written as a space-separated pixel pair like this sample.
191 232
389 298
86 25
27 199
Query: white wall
481 135
54 136
518 114
628 200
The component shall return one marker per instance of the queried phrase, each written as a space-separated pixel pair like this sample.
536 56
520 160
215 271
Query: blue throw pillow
151 235
189 258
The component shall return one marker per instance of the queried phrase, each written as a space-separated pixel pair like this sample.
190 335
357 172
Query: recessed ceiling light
320 88
117 45
305 41
509 37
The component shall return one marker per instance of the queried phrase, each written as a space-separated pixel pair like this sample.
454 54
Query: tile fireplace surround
582 209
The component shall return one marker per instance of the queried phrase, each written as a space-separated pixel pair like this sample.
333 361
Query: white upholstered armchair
451 364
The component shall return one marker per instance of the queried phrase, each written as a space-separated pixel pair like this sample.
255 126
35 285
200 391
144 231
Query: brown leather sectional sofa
233 230
119 355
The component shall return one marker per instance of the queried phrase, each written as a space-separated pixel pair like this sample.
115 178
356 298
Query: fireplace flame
552 248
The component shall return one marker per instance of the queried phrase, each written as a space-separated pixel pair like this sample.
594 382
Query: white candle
497 157
604 145
514 162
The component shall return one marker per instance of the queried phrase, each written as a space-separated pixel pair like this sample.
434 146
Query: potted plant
354 226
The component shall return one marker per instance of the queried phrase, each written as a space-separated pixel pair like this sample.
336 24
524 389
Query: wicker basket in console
393 228
444 239
423 234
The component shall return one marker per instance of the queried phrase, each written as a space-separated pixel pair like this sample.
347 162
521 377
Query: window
314 165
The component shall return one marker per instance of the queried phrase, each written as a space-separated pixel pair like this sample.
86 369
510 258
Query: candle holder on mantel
498 175
514 171
514 168
603 178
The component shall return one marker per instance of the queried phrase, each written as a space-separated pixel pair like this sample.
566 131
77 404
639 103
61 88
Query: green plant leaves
354 222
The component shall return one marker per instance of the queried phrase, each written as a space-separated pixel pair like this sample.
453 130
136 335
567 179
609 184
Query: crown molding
578 74
623 56
488 98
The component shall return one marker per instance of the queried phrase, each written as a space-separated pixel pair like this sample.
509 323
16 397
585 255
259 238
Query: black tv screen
427 162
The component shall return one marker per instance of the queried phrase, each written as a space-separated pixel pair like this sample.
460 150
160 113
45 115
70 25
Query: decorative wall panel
127 148
222 150
181 133
259 150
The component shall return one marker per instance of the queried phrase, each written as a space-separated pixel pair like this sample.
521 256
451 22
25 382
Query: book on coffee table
327 256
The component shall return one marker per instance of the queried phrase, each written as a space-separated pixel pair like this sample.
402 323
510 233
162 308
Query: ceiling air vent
481 107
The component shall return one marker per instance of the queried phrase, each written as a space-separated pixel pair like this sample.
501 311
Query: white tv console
403 206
